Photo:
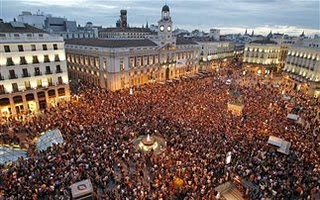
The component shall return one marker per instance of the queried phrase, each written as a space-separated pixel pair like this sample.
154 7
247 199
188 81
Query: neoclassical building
33 70
262 52
303 66
117 64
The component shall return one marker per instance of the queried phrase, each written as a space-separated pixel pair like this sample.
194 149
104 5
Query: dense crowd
191 115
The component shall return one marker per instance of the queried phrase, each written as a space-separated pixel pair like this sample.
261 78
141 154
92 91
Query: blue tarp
11 154
48 138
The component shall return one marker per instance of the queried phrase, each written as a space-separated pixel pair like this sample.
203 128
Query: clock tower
165 27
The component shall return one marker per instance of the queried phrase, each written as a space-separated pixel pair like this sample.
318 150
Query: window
40 35
35 59
27 85
23 60
55 46
48 70
16 35
44 47
25 72
20 47
1 77
60 80
6 48
46 58
33 47
39 83
15 87
56 58
121 67
12 74
50 82
58 69
131 62
9 61
29 35
37 71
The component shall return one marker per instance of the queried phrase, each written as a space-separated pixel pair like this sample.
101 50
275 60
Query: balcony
48 72
1 78
10 64
37 74
24 75
13 76
58 71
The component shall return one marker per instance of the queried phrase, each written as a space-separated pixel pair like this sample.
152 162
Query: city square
133 113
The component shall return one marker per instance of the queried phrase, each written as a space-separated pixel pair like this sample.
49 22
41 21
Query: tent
293 116
82 190
282 145
11 153
48 138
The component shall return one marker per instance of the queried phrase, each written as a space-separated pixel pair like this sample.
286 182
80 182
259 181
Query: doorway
42 104
167 73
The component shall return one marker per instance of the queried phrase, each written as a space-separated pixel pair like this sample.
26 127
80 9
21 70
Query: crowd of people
191 115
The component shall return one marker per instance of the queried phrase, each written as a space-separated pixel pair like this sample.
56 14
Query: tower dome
165 8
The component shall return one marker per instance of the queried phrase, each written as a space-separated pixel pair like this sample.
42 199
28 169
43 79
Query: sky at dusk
230 16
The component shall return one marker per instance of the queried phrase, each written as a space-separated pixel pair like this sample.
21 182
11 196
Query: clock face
161 28
169 28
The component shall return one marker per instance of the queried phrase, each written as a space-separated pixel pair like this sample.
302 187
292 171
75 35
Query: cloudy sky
231 16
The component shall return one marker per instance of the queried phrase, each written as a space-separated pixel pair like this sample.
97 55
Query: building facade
303 66
216 50
262 52
124 33
33 69
118 64
58 26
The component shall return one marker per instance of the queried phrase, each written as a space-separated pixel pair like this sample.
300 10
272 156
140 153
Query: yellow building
33 72
263 52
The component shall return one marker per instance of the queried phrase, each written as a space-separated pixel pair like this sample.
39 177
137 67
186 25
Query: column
25 104
13 109
37 101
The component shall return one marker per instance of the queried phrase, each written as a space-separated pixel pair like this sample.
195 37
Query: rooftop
18 27
183 41
95 42
127 29
263 42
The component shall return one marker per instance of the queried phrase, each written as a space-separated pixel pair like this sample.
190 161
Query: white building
117 64
33 69
303 66
216 50
59 26
214 34
36 20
